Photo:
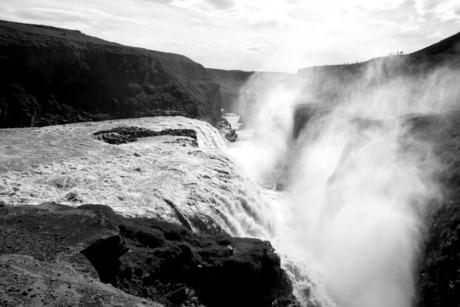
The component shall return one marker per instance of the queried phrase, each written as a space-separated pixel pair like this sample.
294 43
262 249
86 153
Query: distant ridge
450 45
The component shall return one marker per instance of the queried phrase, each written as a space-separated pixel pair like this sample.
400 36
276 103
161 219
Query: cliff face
242 91
150 260
230 81
51 76
428 76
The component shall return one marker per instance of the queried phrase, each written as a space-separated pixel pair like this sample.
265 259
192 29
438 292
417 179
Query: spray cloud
359 182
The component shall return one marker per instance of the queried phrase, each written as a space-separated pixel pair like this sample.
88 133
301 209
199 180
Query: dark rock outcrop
148 258
304 113
123 135
439 264
53 76
226 130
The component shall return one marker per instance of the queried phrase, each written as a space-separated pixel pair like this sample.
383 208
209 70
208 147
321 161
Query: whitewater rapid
345 225
298 263
348 224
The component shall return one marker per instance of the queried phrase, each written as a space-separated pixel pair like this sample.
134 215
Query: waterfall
348 225
209 137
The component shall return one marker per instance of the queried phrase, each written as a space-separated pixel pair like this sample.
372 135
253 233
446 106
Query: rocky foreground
57 255
57 248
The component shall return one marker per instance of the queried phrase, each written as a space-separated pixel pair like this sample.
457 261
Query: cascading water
348 224
209 137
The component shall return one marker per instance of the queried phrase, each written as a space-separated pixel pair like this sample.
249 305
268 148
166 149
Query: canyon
341 188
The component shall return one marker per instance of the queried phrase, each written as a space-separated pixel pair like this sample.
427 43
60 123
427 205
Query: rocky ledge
226 130
53 254
168 227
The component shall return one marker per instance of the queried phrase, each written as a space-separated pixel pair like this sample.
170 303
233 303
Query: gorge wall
53 76
343 125
373 141
230 81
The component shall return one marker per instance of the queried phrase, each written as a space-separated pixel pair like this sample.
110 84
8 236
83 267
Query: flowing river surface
341 203
306 277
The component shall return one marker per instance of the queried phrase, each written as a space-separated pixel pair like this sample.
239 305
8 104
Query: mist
356 182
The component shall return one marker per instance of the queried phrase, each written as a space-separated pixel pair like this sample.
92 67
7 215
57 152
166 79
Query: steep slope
335 83
448 46
230 81
426 80
50 76
439 264
432 69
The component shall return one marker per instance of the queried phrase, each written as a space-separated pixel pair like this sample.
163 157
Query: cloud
410 29
57 15
290 33
374 5
425 6
175 42
54 15
444 10
255 13
221 4
435 35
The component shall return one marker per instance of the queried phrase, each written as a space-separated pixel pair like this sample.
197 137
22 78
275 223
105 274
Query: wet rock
151 258
103 255
438 282
225 129
178 296
122 135
304 113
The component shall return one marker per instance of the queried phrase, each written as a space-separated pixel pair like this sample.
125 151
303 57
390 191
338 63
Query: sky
268 35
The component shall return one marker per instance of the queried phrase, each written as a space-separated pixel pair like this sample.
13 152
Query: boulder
146 257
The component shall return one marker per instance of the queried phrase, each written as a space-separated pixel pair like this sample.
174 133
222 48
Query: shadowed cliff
53 76
230 81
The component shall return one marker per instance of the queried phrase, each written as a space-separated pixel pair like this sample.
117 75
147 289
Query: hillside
53 76
448 46
334 83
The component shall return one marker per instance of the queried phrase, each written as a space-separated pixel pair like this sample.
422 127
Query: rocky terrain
55 76
170 172
126 210
439 266
56 249
52 254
